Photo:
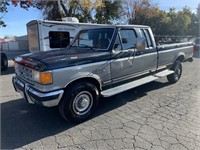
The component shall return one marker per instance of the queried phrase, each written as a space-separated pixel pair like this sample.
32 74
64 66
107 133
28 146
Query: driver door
123 54
127 62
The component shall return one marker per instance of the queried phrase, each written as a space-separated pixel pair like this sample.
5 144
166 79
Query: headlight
43 77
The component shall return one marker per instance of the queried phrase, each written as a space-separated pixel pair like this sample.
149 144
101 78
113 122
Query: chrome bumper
33 96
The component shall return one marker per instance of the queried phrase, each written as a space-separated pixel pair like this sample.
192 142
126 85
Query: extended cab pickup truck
101 61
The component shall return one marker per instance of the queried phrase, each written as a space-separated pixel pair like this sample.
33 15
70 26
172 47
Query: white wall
11 45
23 45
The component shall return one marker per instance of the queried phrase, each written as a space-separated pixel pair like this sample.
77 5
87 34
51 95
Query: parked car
101 61
197 44
4 61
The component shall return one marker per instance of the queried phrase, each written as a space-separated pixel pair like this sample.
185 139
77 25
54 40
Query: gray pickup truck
101 61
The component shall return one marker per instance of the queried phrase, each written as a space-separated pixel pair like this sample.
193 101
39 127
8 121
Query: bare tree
138 11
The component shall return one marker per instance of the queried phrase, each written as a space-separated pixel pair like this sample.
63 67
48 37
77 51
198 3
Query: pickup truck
102 61
197 44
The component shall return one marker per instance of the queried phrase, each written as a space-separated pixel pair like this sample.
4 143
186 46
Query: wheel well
86 79
180 58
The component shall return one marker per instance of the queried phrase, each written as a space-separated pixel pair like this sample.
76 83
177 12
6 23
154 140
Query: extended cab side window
149 41
146 35
128 38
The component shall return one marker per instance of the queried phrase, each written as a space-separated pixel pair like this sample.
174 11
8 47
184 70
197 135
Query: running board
133 84
164 73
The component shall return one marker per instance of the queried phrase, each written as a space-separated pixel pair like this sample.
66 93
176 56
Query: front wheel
177 68
79 102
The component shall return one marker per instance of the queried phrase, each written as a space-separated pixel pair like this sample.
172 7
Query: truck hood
73 56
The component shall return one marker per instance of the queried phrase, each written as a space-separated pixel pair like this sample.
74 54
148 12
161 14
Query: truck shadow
108 104
23 124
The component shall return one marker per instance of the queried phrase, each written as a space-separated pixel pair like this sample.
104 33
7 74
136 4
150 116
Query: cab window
148 41
128 38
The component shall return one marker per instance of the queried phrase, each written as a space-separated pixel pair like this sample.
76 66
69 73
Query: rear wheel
79 102
4 62
177 68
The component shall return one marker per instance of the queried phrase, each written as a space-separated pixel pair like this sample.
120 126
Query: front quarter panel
99 71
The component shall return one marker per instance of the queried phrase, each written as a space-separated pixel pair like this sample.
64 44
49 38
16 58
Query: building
17 43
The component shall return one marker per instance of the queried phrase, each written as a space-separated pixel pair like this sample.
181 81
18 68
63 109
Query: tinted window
143 35
147 35
128 39
59 39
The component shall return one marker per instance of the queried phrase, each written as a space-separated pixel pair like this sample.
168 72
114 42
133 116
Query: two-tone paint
104 68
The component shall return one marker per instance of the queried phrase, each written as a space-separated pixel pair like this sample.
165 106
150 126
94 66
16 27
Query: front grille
24 73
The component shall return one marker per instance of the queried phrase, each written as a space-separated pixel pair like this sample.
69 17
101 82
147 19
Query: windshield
94 38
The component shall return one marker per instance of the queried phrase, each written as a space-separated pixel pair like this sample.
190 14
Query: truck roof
89 24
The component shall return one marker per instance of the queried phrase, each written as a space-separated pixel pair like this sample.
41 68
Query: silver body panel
62 77
130 64
169 56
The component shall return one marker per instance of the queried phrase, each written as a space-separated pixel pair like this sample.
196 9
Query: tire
4 62
79 102
177 68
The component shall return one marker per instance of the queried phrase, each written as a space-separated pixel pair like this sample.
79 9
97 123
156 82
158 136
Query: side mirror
116 46
140 43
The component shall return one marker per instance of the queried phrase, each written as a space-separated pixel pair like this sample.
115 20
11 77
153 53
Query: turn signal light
46 78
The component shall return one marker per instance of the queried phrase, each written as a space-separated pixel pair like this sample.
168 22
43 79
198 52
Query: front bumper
34 96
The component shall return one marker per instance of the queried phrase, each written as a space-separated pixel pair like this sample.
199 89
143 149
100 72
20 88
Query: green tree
55 10
3 10
111 11
179 21
198 22
183 21
194 26
139 11
159 22
50 10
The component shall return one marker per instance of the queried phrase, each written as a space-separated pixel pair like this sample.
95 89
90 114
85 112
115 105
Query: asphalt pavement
155 116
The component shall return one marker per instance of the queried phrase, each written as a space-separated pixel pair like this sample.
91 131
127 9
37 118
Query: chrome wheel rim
82 103
177 72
